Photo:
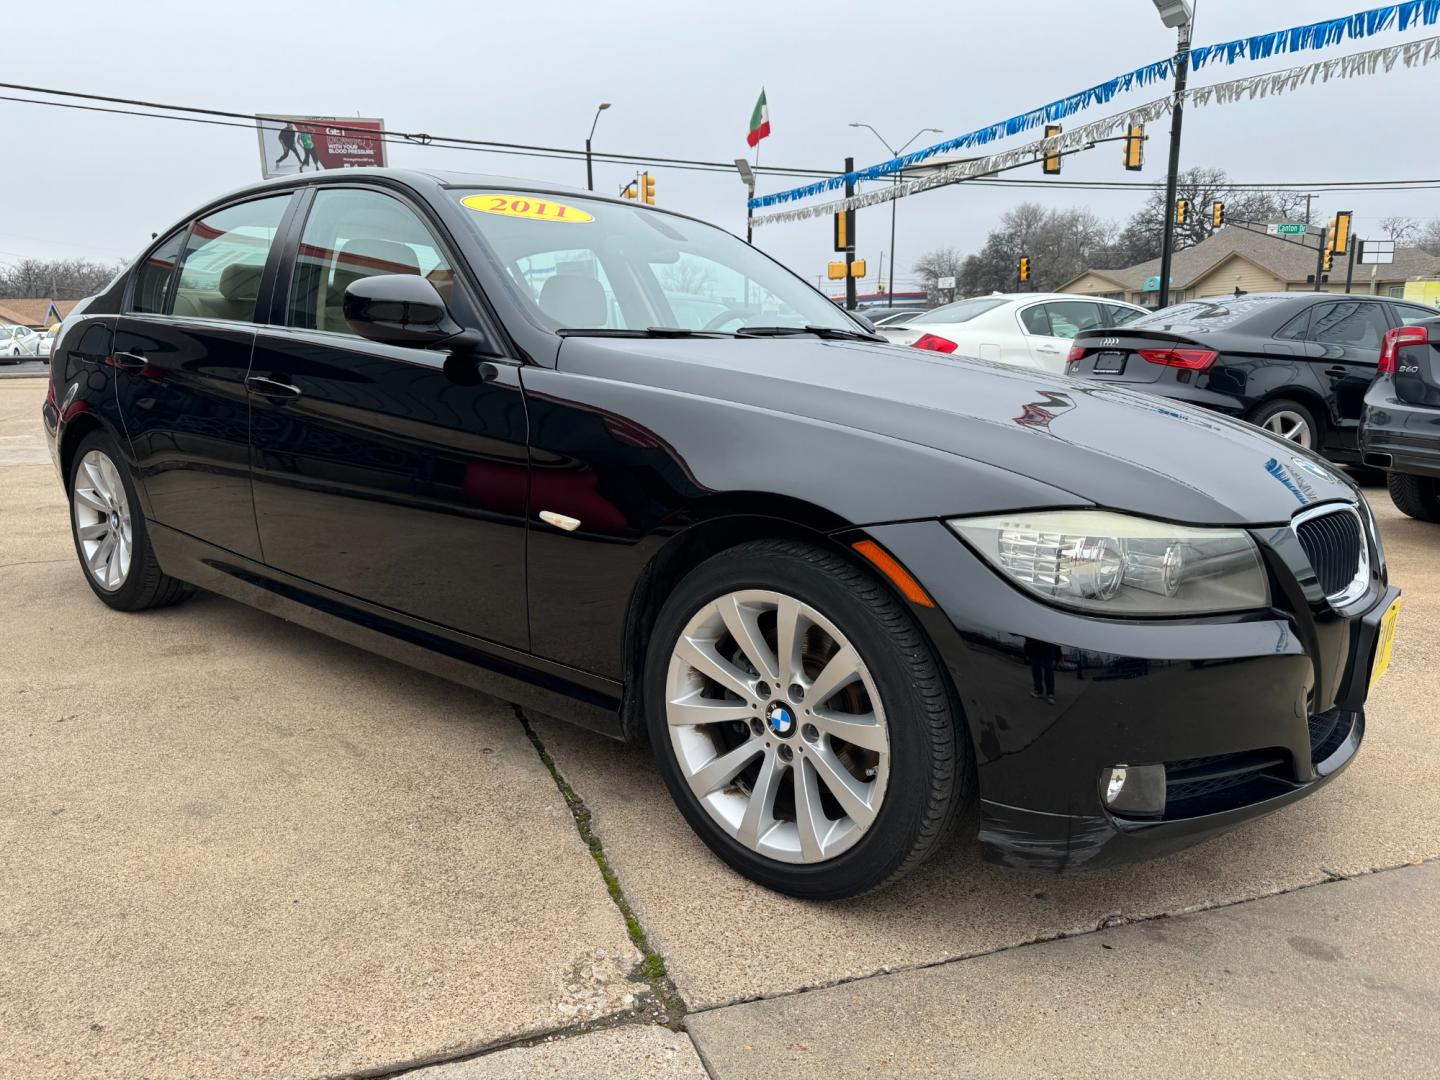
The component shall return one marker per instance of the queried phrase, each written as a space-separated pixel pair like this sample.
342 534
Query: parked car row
20 343
1303 366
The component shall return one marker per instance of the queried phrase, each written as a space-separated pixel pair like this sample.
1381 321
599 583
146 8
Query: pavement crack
667 1007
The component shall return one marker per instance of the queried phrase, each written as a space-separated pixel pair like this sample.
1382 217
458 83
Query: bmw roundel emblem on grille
780 719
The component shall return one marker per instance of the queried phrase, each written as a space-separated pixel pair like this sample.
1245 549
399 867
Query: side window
1069 317
224 258
1035 320
1119 316
1410 314
1297 329
1356 323
352 234
154 277
570 286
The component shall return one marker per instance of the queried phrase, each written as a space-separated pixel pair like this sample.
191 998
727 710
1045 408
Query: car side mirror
401 309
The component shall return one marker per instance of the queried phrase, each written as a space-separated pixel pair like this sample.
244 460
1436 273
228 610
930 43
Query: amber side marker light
883 561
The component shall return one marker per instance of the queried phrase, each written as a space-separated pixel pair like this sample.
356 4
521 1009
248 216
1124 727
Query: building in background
1253 262
36 313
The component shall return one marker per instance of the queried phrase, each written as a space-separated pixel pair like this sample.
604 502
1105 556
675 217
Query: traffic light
1181 207
1135 147
631 190
1023 271
1328 260
1052 157
844 230
647 189
1217 214
1340 232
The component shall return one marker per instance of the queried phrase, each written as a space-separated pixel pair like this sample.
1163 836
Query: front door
182 352
375 475
1051 326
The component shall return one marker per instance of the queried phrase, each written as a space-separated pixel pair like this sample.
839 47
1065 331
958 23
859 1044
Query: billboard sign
296 144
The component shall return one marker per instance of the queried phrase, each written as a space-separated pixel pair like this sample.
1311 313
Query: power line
226 118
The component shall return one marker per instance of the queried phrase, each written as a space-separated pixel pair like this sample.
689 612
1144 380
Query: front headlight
1113 564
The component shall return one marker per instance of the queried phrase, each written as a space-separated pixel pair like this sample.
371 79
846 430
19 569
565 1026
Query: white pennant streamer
1411 54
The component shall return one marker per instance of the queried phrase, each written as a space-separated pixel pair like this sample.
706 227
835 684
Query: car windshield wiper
647 332
832 332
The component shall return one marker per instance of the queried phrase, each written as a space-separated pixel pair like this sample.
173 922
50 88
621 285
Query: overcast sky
682 79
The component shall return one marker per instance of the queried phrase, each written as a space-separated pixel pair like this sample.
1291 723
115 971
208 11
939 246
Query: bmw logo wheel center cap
780 719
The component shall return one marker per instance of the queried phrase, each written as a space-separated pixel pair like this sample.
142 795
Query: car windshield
585 264
960 311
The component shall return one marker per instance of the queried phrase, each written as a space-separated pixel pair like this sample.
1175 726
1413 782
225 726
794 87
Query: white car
18 342
1025 329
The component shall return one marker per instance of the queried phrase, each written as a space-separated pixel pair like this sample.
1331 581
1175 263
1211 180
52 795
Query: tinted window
1035 320
1119 316
1356 323
960 311
224 258
155 275
1410 314
1069 317
352 234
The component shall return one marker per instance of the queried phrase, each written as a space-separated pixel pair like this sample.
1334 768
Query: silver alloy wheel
102 521
777 726
1289 424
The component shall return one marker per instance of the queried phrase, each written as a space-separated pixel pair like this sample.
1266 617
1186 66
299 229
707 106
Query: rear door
1348 334
1051 326
375 475
182 350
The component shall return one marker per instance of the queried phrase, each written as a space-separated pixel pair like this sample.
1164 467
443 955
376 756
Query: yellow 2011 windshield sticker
524 206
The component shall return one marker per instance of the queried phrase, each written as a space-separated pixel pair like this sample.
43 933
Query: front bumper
1248 713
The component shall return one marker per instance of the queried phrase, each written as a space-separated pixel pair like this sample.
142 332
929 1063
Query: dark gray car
1400 432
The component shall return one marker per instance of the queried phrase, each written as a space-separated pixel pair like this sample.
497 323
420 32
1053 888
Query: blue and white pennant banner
1317 35
1411 54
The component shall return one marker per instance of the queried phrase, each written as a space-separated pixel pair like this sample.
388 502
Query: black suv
1401 428
1296 364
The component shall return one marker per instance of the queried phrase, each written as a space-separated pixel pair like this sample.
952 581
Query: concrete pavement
231 847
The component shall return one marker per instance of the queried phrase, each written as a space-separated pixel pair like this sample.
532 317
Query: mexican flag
759 121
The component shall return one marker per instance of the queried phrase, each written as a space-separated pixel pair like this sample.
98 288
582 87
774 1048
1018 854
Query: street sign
945 283
1152 283
1286 228
296 144
1373 252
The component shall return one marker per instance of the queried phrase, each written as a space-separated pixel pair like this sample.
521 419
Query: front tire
108 528
801 721
1418 496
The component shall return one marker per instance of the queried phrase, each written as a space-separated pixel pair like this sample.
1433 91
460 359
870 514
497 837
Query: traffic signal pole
1320 256
1172 178
850 239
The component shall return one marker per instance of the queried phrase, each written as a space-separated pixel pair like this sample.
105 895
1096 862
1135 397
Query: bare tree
1402 230
688 276
54 279
1428 238
933 265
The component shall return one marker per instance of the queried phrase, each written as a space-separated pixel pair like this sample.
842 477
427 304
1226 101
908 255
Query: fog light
1134 790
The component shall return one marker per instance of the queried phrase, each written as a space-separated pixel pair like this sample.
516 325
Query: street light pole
589 168
895 178
1175 13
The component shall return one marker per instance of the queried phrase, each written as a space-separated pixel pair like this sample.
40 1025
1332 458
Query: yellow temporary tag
526 206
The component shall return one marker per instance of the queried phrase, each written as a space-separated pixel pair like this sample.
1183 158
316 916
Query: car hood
1106 445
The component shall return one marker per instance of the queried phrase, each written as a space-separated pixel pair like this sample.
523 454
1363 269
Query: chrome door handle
269 388
128 361
1337 370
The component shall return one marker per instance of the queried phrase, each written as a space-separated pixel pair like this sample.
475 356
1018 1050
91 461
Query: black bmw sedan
1296 364
843 589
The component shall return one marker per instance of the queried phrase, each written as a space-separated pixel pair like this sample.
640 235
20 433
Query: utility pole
1307 208
589 168
1177 113
850 238
1350 264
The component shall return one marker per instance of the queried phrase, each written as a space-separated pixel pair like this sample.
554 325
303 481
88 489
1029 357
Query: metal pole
1320 257
589 171
850 239
891 292
1177 113
1350 263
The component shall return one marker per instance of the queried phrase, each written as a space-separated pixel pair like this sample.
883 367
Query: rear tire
109 531
1418 496
817 833
1290 421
